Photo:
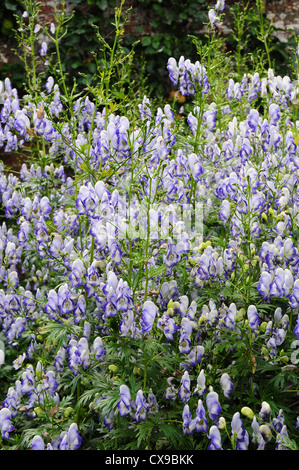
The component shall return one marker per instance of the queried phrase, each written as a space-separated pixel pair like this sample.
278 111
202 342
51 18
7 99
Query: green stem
145 369
263 33
78 397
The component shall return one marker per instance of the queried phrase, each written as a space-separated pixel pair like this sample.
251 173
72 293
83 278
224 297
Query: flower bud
113 368
246 411
265 432
191 261
39 370
170 312
39 411
136 370
240 314
285 358
263 326
201 247
271 211
221 423
265 411
68 411
201 319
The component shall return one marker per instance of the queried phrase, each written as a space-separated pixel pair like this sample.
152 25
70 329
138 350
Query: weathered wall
284 15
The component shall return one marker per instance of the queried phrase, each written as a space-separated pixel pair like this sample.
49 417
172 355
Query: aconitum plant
149 260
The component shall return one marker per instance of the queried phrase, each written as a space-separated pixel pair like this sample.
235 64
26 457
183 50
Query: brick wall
284 15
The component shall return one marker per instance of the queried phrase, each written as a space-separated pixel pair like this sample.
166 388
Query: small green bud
201 320
240 314
263 326
271 211
191 261
222 423
136 370
68 411
246 411
113 368
285 358
39 411
170 304
201 247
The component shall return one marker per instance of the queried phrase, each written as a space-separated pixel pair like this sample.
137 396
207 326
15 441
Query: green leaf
146 40
102 4
10 5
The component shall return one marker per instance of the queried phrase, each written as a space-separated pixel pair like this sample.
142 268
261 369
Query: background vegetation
168 34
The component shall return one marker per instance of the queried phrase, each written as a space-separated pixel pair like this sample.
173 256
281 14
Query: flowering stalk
265 31
56 34
30 15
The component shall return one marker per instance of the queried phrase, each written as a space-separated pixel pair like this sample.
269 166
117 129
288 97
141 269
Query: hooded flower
124 404
141 407
5 424
149 313
226 384
184 390
71 439
37 443
199 423
253 317
187 417
213 405
215 436
239 434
